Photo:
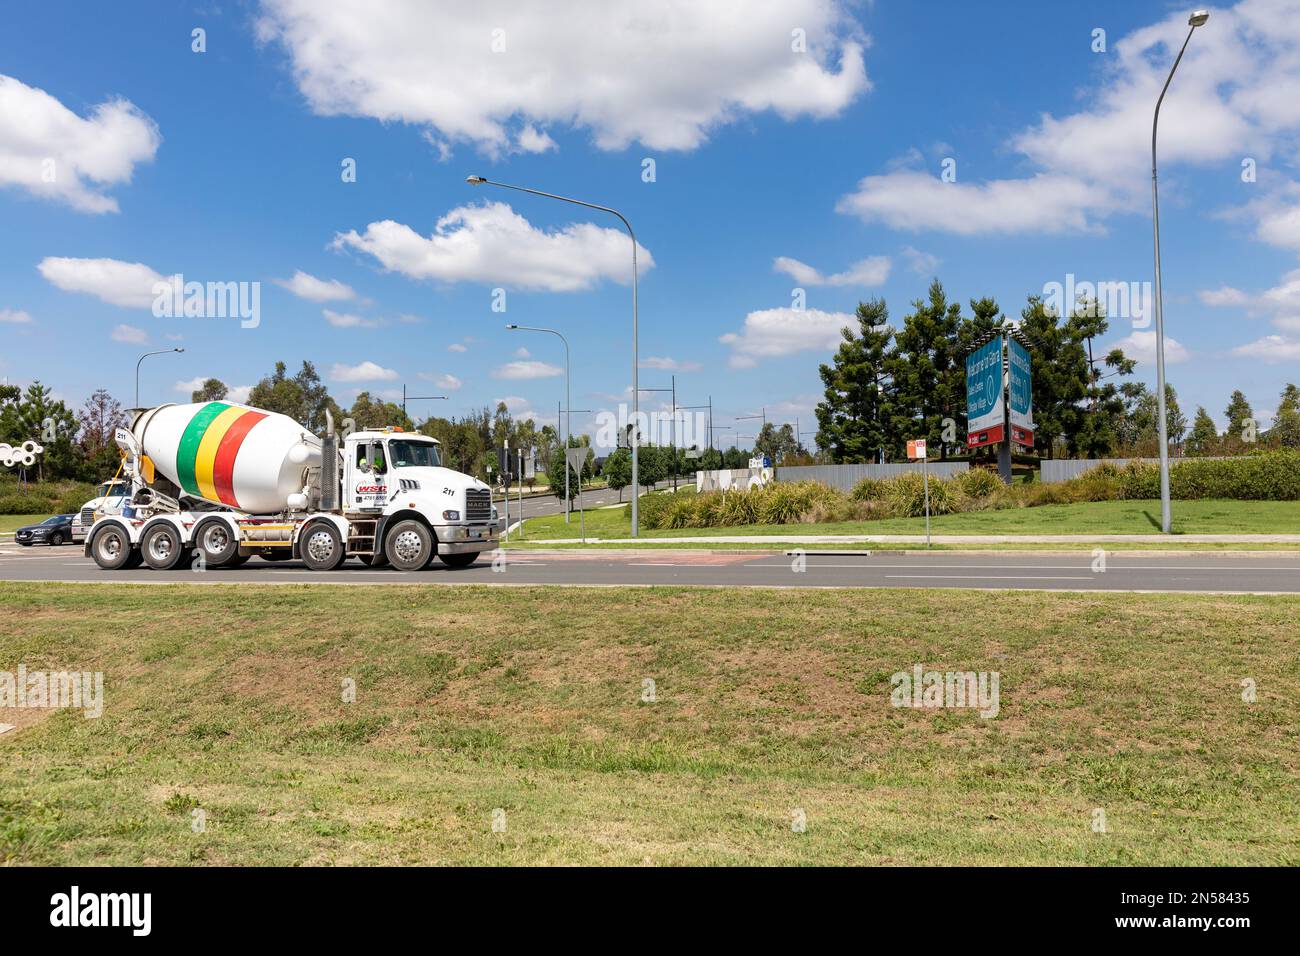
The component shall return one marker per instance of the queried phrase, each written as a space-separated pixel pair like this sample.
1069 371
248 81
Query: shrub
906 495
870 489
978 483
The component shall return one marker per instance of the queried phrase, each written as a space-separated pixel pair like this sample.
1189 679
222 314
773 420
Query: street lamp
137 369
568 420
482 181
1197 19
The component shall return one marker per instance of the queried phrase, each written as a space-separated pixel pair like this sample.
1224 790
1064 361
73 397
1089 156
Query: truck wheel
409 545
456 561
162 549
215 542
111 548
321 547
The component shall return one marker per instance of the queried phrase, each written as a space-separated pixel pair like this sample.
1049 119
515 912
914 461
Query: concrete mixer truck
219 482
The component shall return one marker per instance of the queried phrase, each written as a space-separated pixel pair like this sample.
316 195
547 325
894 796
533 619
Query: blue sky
226 166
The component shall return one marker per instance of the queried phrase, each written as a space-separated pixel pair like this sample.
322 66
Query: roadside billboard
1021 391
985 412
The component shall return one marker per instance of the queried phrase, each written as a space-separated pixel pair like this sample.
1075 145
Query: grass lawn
10 523
529 701
1101 517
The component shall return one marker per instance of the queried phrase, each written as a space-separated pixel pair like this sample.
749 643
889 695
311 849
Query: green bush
906 495
870 489
978 483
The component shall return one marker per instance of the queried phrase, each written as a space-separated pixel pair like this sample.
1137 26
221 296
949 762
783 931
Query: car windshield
57 519
413 454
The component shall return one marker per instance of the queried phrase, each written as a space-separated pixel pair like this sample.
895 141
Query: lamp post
747 418
481 181
1197 19
419 398
568 420
137 369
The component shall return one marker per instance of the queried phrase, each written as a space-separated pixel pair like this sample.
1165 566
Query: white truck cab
390 476
110 498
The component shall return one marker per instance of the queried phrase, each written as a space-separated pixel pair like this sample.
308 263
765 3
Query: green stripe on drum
188 449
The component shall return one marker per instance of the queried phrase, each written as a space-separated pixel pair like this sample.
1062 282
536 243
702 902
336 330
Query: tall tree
1285 430
1205 434
1240 416
38 416
617 471
303 397
212 390
778 444
855 417
367 412
928 368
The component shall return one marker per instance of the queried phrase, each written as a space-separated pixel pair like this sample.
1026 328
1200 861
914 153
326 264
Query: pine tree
1205 434
1239 414
928 370
853 420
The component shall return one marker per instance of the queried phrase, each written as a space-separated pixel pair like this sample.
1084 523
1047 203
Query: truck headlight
451 516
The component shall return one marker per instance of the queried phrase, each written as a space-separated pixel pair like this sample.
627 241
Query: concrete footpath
786 539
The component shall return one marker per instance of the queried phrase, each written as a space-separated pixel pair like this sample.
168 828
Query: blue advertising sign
985 412
1021 391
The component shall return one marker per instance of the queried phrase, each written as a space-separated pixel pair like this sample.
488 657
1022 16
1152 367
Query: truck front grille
87 517
478 505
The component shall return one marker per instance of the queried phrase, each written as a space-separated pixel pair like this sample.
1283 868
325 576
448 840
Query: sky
779 161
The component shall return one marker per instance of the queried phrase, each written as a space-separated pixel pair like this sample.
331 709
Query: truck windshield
112 489
413 454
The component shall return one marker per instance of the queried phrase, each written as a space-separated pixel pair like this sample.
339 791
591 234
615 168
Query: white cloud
913 200
130 335
866 272
1234 97
1271 349
364 372
522 353
306 286
1142 347
666 363
922 263
664 74
493 244
128 284
15 316
53 153
1224 295
533 140
526 370
447 382
344 320
771 333
457 347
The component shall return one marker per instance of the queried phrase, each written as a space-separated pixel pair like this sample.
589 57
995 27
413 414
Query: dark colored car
56 530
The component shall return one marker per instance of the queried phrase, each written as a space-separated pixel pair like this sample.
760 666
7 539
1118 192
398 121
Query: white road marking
995 577
5 728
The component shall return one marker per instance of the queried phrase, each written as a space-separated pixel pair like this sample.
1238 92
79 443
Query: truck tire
212 539
457 561
161 547
409 545
321 547
110 546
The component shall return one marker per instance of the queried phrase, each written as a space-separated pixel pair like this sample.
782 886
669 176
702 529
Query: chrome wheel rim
320 545
215 540
110 545
161 546
408 546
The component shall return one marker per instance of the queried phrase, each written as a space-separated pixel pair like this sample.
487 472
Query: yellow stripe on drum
207 453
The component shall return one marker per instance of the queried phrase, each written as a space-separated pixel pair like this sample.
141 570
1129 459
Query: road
1217 573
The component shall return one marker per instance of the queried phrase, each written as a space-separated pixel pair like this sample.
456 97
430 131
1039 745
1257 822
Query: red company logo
371 489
